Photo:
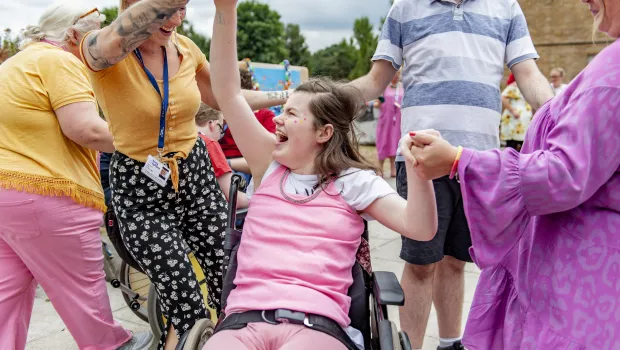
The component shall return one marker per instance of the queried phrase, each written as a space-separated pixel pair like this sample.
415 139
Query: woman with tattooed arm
149 82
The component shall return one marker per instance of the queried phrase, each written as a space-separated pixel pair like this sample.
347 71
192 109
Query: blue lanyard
164 102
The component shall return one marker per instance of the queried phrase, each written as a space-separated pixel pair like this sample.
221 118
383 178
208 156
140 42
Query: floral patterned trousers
157 225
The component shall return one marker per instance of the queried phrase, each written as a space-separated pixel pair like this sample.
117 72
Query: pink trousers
264 336
55 242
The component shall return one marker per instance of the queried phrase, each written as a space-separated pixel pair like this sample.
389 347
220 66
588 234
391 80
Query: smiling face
607 14
162 36
298 137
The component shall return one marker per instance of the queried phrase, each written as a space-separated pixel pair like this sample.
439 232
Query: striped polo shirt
453 60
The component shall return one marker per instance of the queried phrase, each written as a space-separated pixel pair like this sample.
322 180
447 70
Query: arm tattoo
219 18
277 95
134 26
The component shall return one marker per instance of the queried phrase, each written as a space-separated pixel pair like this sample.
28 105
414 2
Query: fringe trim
47 186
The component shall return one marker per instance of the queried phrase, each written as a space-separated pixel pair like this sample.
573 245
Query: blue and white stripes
454 60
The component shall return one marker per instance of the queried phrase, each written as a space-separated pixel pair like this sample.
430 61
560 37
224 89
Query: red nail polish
412 134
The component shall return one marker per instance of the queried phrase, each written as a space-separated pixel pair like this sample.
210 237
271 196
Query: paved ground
48 332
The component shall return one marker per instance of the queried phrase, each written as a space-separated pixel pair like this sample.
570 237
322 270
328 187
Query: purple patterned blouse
545 224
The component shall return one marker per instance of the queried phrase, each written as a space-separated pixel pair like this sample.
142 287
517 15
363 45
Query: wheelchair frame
384 290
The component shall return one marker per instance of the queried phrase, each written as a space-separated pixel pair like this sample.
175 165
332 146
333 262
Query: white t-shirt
558 90
359 188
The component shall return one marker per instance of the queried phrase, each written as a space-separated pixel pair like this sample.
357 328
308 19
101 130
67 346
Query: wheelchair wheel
374 327
396 337
139 284
156 318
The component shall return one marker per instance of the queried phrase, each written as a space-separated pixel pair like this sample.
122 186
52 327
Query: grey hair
57 21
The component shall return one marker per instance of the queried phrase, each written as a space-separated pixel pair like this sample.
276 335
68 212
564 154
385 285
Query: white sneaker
138 341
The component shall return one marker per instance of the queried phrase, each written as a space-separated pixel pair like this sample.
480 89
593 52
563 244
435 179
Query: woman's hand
431 155
407 141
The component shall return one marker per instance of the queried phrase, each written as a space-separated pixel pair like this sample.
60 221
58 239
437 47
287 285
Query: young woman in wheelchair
312 191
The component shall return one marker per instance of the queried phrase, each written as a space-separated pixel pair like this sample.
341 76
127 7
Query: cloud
323 22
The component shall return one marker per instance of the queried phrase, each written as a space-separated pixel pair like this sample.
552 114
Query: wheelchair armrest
387 289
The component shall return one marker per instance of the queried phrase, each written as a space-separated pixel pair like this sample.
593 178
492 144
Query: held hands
431 156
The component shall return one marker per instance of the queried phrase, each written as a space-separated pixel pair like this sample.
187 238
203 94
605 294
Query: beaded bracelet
455 165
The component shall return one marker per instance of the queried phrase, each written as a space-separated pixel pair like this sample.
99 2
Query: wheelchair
371 294
133 284
138 292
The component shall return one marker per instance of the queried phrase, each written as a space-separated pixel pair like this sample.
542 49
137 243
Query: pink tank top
296 256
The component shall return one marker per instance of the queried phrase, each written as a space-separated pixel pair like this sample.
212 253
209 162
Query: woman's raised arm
106 47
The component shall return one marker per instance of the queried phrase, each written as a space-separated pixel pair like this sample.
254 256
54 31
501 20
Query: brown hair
206 114
338 105
246 79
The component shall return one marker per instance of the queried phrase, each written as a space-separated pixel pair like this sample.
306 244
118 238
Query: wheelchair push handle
232 200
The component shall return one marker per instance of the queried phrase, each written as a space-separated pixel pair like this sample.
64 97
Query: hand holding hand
433 155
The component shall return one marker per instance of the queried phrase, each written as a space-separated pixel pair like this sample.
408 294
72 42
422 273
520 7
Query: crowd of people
540 218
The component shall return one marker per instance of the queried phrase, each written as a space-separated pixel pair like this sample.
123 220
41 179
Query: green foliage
110 15
366 42
336 61
298 53
9 45
263 37
260 33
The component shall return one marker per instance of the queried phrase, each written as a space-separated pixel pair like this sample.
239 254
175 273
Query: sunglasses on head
87 14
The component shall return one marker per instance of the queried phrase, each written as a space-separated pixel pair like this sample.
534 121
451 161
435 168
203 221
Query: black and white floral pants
157 224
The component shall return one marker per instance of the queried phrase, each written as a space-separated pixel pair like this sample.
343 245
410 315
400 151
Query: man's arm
532 83
376 81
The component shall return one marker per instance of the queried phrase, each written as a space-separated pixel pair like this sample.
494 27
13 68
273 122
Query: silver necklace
293 200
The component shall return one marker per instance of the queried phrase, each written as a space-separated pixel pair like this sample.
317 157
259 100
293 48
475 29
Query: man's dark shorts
452 236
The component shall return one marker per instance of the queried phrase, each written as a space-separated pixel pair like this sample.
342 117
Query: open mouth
166 31
280 137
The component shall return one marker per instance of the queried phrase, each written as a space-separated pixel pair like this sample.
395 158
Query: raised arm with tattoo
108 46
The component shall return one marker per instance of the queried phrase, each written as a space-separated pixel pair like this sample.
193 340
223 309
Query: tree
186 29
366 44
9 46
110 15
298 53
336 61
260 33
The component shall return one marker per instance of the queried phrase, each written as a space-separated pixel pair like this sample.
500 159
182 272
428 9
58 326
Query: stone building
562 33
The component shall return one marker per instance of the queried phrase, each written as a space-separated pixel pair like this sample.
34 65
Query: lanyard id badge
154 168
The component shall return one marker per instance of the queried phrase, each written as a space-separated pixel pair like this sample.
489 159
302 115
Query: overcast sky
323 22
